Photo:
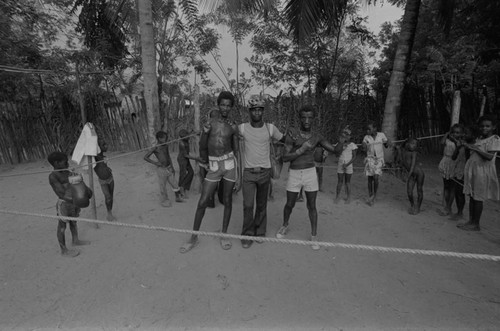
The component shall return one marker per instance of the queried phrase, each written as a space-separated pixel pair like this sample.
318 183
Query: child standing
447 167
415 175
165 169
105 176
345 168
186 172
373 144
480 175
460 156
59 181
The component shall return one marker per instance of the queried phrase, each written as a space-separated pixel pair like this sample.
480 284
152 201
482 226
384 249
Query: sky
376 16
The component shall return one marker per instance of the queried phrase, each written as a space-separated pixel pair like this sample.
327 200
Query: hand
344 166
207 127
237 185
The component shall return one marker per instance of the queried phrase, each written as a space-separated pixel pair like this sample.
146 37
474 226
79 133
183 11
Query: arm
354 154
147 158
289 155
457 150
170 164
239 159
443 140
485 155
59 188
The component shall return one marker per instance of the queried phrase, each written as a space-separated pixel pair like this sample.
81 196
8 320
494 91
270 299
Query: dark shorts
64 208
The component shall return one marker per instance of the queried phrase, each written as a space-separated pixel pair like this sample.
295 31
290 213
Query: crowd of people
239 157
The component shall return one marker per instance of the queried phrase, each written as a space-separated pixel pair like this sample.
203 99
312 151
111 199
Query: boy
165 169
373 144
299 151
105 176
415 174
58 179
220 141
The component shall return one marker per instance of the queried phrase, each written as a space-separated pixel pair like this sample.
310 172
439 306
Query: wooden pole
89 158
198 180
455 109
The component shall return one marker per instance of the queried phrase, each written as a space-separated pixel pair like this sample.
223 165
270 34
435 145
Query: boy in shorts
59 182
105 176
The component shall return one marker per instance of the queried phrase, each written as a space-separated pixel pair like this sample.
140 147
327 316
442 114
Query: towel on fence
86 146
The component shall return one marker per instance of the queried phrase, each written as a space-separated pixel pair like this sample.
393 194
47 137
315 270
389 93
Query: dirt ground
136 279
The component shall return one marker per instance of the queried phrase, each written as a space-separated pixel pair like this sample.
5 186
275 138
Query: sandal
188 246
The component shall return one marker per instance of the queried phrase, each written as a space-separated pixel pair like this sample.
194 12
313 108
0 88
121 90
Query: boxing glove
80 193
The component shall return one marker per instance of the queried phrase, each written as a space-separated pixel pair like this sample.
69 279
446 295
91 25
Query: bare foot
188 246
411 211
456 217
337 200
225 243
80 242
110 217
445 212
166 203
369 201
70 253
348 200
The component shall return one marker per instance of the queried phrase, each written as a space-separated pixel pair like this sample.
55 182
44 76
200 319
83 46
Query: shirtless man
299 151
415 175
220 140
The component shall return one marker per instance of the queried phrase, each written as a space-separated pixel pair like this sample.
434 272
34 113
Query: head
371 128
346 134
58 160
411 144
102 145
183 133
457 131
161 137
486 125
307 114
225 101
256 108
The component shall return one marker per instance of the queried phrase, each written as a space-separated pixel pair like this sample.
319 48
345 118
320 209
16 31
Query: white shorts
349 170
306 178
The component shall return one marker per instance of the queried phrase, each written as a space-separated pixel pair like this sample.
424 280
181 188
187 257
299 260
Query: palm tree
148 56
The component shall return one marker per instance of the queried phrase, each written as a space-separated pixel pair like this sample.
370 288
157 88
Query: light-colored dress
480 175
447 165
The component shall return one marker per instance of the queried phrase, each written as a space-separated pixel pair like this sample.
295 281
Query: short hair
56 156
183 133
161 134
372 124
487 118
457 126
410 139
225 95
307 109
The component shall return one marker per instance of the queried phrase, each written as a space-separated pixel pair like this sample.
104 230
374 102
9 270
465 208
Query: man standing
220 141
257 136
299 151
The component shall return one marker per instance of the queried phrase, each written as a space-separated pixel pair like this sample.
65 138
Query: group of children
467 168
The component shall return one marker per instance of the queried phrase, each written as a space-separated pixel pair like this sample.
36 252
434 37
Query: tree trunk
400 66
149 67
455 109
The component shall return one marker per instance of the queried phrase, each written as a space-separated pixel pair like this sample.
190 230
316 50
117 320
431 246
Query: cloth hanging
86 145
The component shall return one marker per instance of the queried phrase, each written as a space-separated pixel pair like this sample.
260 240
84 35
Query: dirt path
134 279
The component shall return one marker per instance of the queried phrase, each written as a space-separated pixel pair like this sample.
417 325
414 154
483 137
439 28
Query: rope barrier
383 249
96 162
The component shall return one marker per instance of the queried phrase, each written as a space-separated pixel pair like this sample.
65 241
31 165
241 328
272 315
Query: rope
425 252
96 162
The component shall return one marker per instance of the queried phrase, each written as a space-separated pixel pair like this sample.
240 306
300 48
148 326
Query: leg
447 197
108 190
348 187
228 208
313 213
248 187
271 184
370 190
189 179
261 202
177 192
74 235
460 200
410 185
340 182
475 211
220 191
313 216
61 238
206 191
162 182
375 187
291 198
478 210
420 190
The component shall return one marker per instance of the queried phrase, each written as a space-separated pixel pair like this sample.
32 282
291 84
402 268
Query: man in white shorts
299 151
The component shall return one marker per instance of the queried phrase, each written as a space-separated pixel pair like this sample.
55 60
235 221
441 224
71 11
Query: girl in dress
480 175
447 167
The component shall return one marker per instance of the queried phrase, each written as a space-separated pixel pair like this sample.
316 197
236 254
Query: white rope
426 252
